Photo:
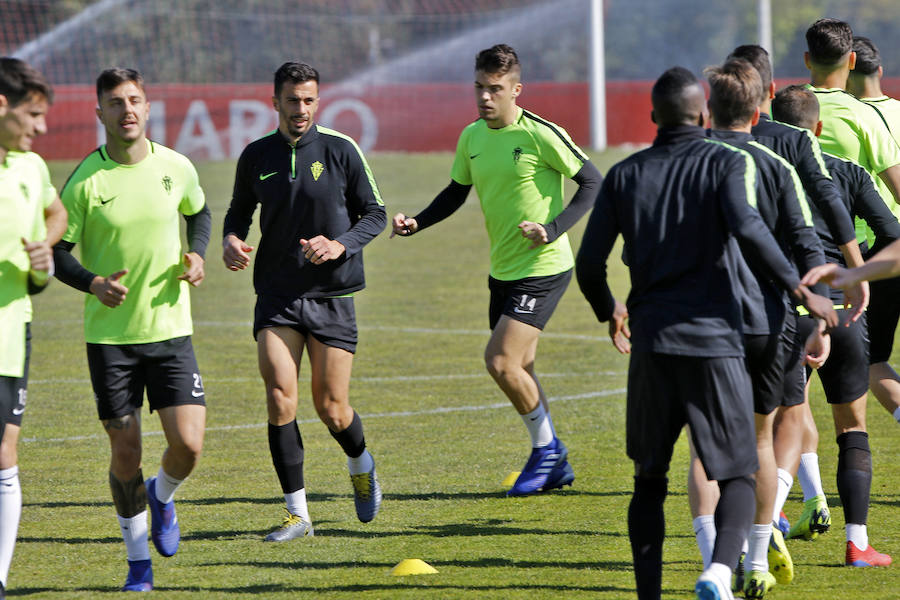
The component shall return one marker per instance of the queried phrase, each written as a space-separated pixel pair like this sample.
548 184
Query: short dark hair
500 59
829 40
735 91
759 58
868 58
294 72
18 80
110 79
796 105
671 104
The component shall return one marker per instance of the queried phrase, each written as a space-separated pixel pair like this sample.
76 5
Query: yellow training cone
412 566
510 479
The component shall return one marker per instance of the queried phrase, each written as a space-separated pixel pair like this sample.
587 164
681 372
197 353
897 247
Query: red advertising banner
215 122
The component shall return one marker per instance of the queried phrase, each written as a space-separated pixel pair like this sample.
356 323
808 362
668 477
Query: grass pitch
442 433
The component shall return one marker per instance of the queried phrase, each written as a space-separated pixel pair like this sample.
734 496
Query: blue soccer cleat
561 476
538 469
366 494
710 587
140 576
164 529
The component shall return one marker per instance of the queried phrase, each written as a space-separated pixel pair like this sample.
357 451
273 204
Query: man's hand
320 249
857 297
818 347
108 289
403 225
818 306
834 275
235 253
193 269
40 254
534 232
618 329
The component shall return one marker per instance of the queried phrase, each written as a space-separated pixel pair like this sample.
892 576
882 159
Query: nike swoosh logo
264 177
523 312
471 156
197 394
108 200
18 411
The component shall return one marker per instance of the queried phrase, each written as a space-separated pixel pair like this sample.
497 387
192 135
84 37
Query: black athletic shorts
882 315
120 373
793 355
531 300
332 321
845 375
765 363
712 395
14 391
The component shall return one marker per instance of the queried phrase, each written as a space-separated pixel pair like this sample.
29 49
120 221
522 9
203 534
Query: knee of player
498 365
335 415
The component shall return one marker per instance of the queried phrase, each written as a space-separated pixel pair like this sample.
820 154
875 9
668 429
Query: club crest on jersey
317 169
167 183
517 154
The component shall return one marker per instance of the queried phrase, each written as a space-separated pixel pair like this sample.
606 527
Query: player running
124 200
31 219
516 160
319 208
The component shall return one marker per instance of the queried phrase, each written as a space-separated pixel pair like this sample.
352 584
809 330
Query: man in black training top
320 206
685 316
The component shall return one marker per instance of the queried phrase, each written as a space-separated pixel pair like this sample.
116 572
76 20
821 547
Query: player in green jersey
124 202
31 219
517 162
851 130
865 83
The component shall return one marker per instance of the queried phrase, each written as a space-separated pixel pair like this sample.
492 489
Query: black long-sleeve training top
321 186
863 201
782 204
677 205
800 148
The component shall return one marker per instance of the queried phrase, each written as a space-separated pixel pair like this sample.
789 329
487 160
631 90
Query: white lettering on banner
367 119
248 120
156 124
197 117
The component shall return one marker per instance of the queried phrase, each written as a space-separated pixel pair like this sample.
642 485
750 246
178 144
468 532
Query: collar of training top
679 133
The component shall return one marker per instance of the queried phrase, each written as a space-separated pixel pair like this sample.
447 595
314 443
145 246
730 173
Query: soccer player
31 219
517 161
735 93
851 130
319 207
687 360
123 201
864 82
843 377
801 148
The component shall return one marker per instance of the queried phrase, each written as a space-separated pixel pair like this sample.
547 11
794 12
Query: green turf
423 326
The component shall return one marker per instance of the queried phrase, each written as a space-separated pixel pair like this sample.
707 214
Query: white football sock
809 476
296 504
785 481
757 558
897 414
10 512
539 426
858 534
705 531
361 464
166 486
134 532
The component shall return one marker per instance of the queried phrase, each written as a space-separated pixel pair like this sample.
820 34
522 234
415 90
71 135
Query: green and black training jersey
518 172
25 191
320 186
127 217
